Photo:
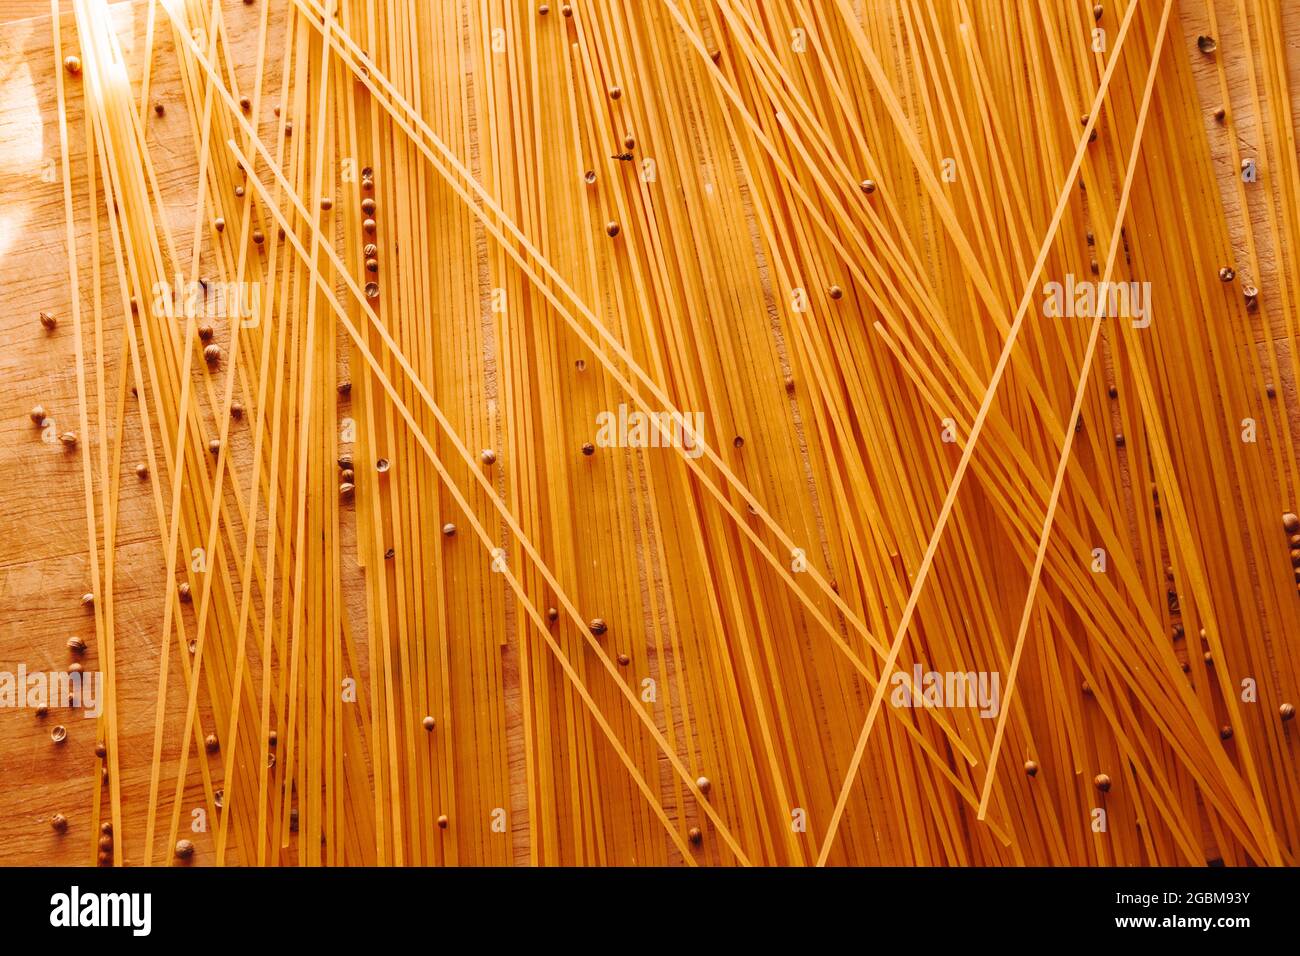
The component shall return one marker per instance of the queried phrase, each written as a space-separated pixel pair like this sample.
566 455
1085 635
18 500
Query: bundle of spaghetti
636 404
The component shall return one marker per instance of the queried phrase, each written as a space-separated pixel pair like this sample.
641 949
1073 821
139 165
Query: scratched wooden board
44 567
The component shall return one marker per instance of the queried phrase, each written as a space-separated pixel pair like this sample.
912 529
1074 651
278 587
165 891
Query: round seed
382 465
868 186
59 733
442 822
37 414
159 109
211 744
1286 712
183 589
588 449
372 290
1291 522
1227 274
76 645
449 530
212 354
184 849
88 600
611 229
552 614
1102 782
1206 44
346 489
368 206
598 626
48 321
704 783
695 836
1225 732
429 723
1031 768
487 456
142 471
59 822
615 92
836 292
72 64
219 224
69 439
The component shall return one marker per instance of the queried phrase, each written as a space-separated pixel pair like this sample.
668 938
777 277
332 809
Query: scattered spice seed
258 237
74 667
142 471
704 783
88 600
272 738
369 226
219 798
383 465
106 843
236 411
615 92
611 229
239 190
48 321
76 645
219 224
1097 11
598 626
1102 782
37 414
695 836
345 460
1031 768
1220 114
214 446
211 744
72 64
442 822
1291 522
1286 712
159 109
100 750
487 456
183 589
624 660
59 733
346 489
184 849
552 614
567 10
589 177
588 449
326 203
245 103
868 186
1227 274
212 354
372 265
1225 732
1206 44
345 388
544 9
629 143
836 292
368 206
449 530
347 475
370 251
59 822
69 439
429 723
372 290
42 710
1119 441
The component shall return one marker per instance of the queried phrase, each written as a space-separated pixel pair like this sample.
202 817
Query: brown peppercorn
100 750
236 411
288 128
1097 11
598 626
42 710
429 723
1220 114
183 589
1291 522
1225 732
544 9
272 738
368 225
1286 712
383 465
37 415
611 228
487 456
347 475
219 224
567 10
245 103
211 744
326 203
695 836
184 849
1031 768
159 109
72 64
588 449
212 354
372 265
1119 441
1206 44
1102 782
624 660
442 822
370 251
704 784
552 614
615 92
59 822
368 206
214 446
142 471
239 190
106 843
48 321
836 292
